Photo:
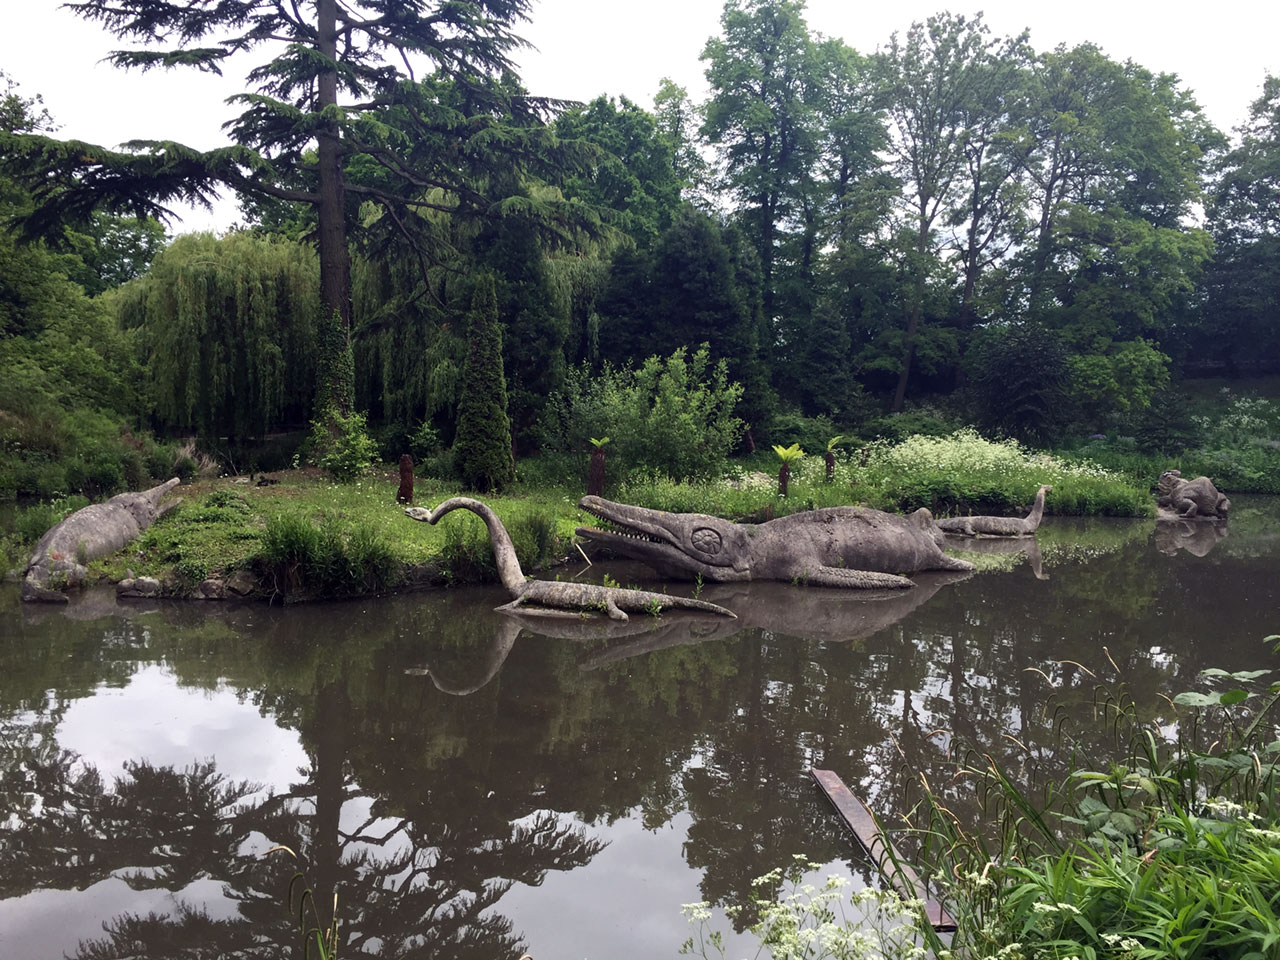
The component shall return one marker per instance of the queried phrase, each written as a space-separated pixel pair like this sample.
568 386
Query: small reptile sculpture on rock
998 526
1196 499
98 530
558 594
853 547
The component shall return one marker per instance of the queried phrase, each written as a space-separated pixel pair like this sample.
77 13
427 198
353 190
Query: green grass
310 536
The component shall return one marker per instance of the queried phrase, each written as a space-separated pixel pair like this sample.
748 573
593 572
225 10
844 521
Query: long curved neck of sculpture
504 553
1037 511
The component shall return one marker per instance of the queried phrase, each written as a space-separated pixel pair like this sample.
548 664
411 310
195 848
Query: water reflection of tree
425 884
469 794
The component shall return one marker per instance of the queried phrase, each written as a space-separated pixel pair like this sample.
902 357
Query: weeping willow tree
409 351
227 330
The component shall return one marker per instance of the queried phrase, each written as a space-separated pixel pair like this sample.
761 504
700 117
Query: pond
478 786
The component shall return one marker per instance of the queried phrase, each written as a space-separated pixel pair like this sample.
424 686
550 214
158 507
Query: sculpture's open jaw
630 532
619 528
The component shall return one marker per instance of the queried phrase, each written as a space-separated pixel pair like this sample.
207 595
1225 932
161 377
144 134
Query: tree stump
405 493
595 473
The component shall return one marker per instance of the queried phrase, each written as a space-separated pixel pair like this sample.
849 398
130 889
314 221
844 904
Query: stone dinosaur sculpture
852 547
560 595
98 530
1191 499
998 526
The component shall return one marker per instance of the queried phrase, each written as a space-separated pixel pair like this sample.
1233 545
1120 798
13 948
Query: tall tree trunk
335 262
913 323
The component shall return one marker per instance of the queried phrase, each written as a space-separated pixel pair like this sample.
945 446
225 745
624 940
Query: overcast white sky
584 48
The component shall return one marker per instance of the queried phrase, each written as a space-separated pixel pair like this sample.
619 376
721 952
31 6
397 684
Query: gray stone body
1191 499
998 526
853 547
98 530
558 595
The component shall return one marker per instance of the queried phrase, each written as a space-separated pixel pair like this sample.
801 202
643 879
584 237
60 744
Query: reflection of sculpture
1195 538
831 547
563 595
827 615
1028 546
1197 498
98 530
998 526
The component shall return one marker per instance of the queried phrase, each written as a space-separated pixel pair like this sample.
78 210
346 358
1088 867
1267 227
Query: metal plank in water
858 818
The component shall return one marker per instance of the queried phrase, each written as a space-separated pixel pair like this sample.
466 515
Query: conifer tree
318 107
482 450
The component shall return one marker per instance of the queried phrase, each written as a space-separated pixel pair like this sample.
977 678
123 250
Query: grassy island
299 534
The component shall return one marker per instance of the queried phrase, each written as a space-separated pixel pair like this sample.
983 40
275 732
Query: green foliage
672 416
788 455
1019 381
335 365
966 471
1167 849
466 556
424 442
340 444
330 558
482 448
1122 378
227 329
811 433
31 523
114 250
1234 440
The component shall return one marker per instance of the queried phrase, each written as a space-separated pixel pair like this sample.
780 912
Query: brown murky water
477 786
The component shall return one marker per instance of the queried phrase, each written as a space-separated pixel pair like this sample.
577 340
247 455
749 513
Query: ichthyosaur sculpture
557 594
98 530
998 526
854 547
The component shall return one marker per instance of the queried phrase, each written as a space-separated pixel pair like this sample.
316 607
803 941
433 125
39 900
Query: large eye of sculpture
707 540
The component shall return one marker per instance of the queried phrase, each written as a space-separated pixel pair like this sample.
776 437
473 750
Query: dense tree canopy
848 231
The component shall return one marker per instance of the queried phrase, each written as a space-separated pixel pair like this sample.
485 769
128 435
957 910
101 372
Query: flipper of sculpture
998 526
852 547
98 530
1196 499
559 595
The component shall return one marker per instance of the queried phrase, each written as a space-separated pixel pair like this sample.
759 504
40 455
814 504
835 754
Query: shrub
1168 849
31 523
812 433
341 444
1019 381
673 416
983 476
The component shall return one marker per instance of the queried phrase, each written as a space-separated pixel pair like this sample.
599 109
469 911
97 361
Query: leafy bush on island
673 416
